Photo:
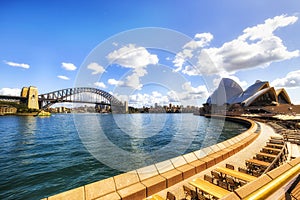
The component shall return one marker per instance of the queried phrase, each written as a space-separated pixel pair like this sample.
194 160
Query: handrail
275 184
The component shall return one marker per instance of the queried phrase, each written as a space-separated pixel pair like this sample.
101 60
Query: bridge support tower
32 96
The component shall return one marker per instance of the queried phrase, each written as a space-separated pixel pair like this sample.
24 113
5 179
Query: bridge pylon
32 96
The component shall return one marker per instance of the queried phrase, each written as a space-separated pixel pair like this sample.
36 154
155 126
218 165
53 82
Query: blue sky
53 44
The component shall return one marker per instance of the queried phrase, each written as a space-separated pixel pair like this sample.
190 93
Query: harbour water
40 157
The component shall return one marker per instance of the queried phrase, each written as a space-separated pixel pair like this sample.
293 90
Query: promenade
238 160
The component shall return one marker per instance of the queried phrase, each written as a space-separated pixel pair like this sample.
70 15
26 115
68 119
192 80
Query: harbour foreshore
171 175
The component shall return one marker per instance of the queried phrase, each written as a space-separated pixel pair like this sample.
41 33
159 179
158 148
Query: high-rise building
126 106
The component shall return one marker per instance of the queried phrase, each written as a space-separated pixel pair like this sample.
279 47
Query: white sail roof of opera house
270 99
283 96
226 90
250 91
229 92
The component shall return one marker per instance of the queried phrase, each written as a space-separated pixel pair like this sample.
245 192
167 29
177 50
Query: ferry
43 113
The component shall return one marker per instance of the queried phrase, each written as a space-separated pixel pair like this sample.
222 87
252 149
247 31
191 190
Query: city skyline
48 45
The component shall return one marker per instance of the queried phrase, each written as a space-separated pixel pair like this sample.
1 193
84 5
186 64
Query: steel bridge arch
62 95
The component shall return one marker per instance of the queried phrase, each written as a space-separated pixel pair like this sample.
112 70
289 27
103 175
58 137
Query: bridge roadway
12 98
75 101
23 99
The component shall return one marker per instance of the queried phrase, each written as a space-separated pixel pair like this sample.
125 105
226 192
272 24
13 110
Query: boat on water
43 113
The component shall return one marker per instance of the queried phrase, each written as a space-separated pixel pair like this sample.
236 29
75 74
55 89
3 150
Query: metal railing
274 185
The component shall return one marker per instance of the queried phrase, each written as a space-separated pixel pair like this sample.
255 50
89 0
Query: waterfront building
6 109
257 98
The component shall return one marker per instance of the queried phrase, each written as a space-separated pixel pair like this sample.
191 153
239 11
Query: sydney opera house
260 98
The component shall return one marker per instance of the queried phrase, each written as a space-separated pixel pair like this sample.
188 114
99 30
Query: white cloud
63 77
256 47
100 84
120 97
140 100
156 94
68 66
190 70
266 30
112 81
201 89
180 59
132 56
10 91
174 96
97 69
200 40
136 58
133 80
14 64
292 79
189 93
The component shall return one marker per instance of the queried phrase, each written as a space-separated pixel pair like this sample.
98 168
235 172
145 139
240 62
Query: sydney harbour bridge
71 95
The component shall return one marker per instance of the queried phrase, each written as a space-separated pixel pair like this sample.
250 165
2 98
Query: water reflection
137 125
26 141
136 140
27 125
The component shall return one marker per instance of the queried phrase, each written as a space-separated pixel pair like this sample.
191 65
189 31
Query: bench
235 174
271 150
209 188
266 157
272 145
